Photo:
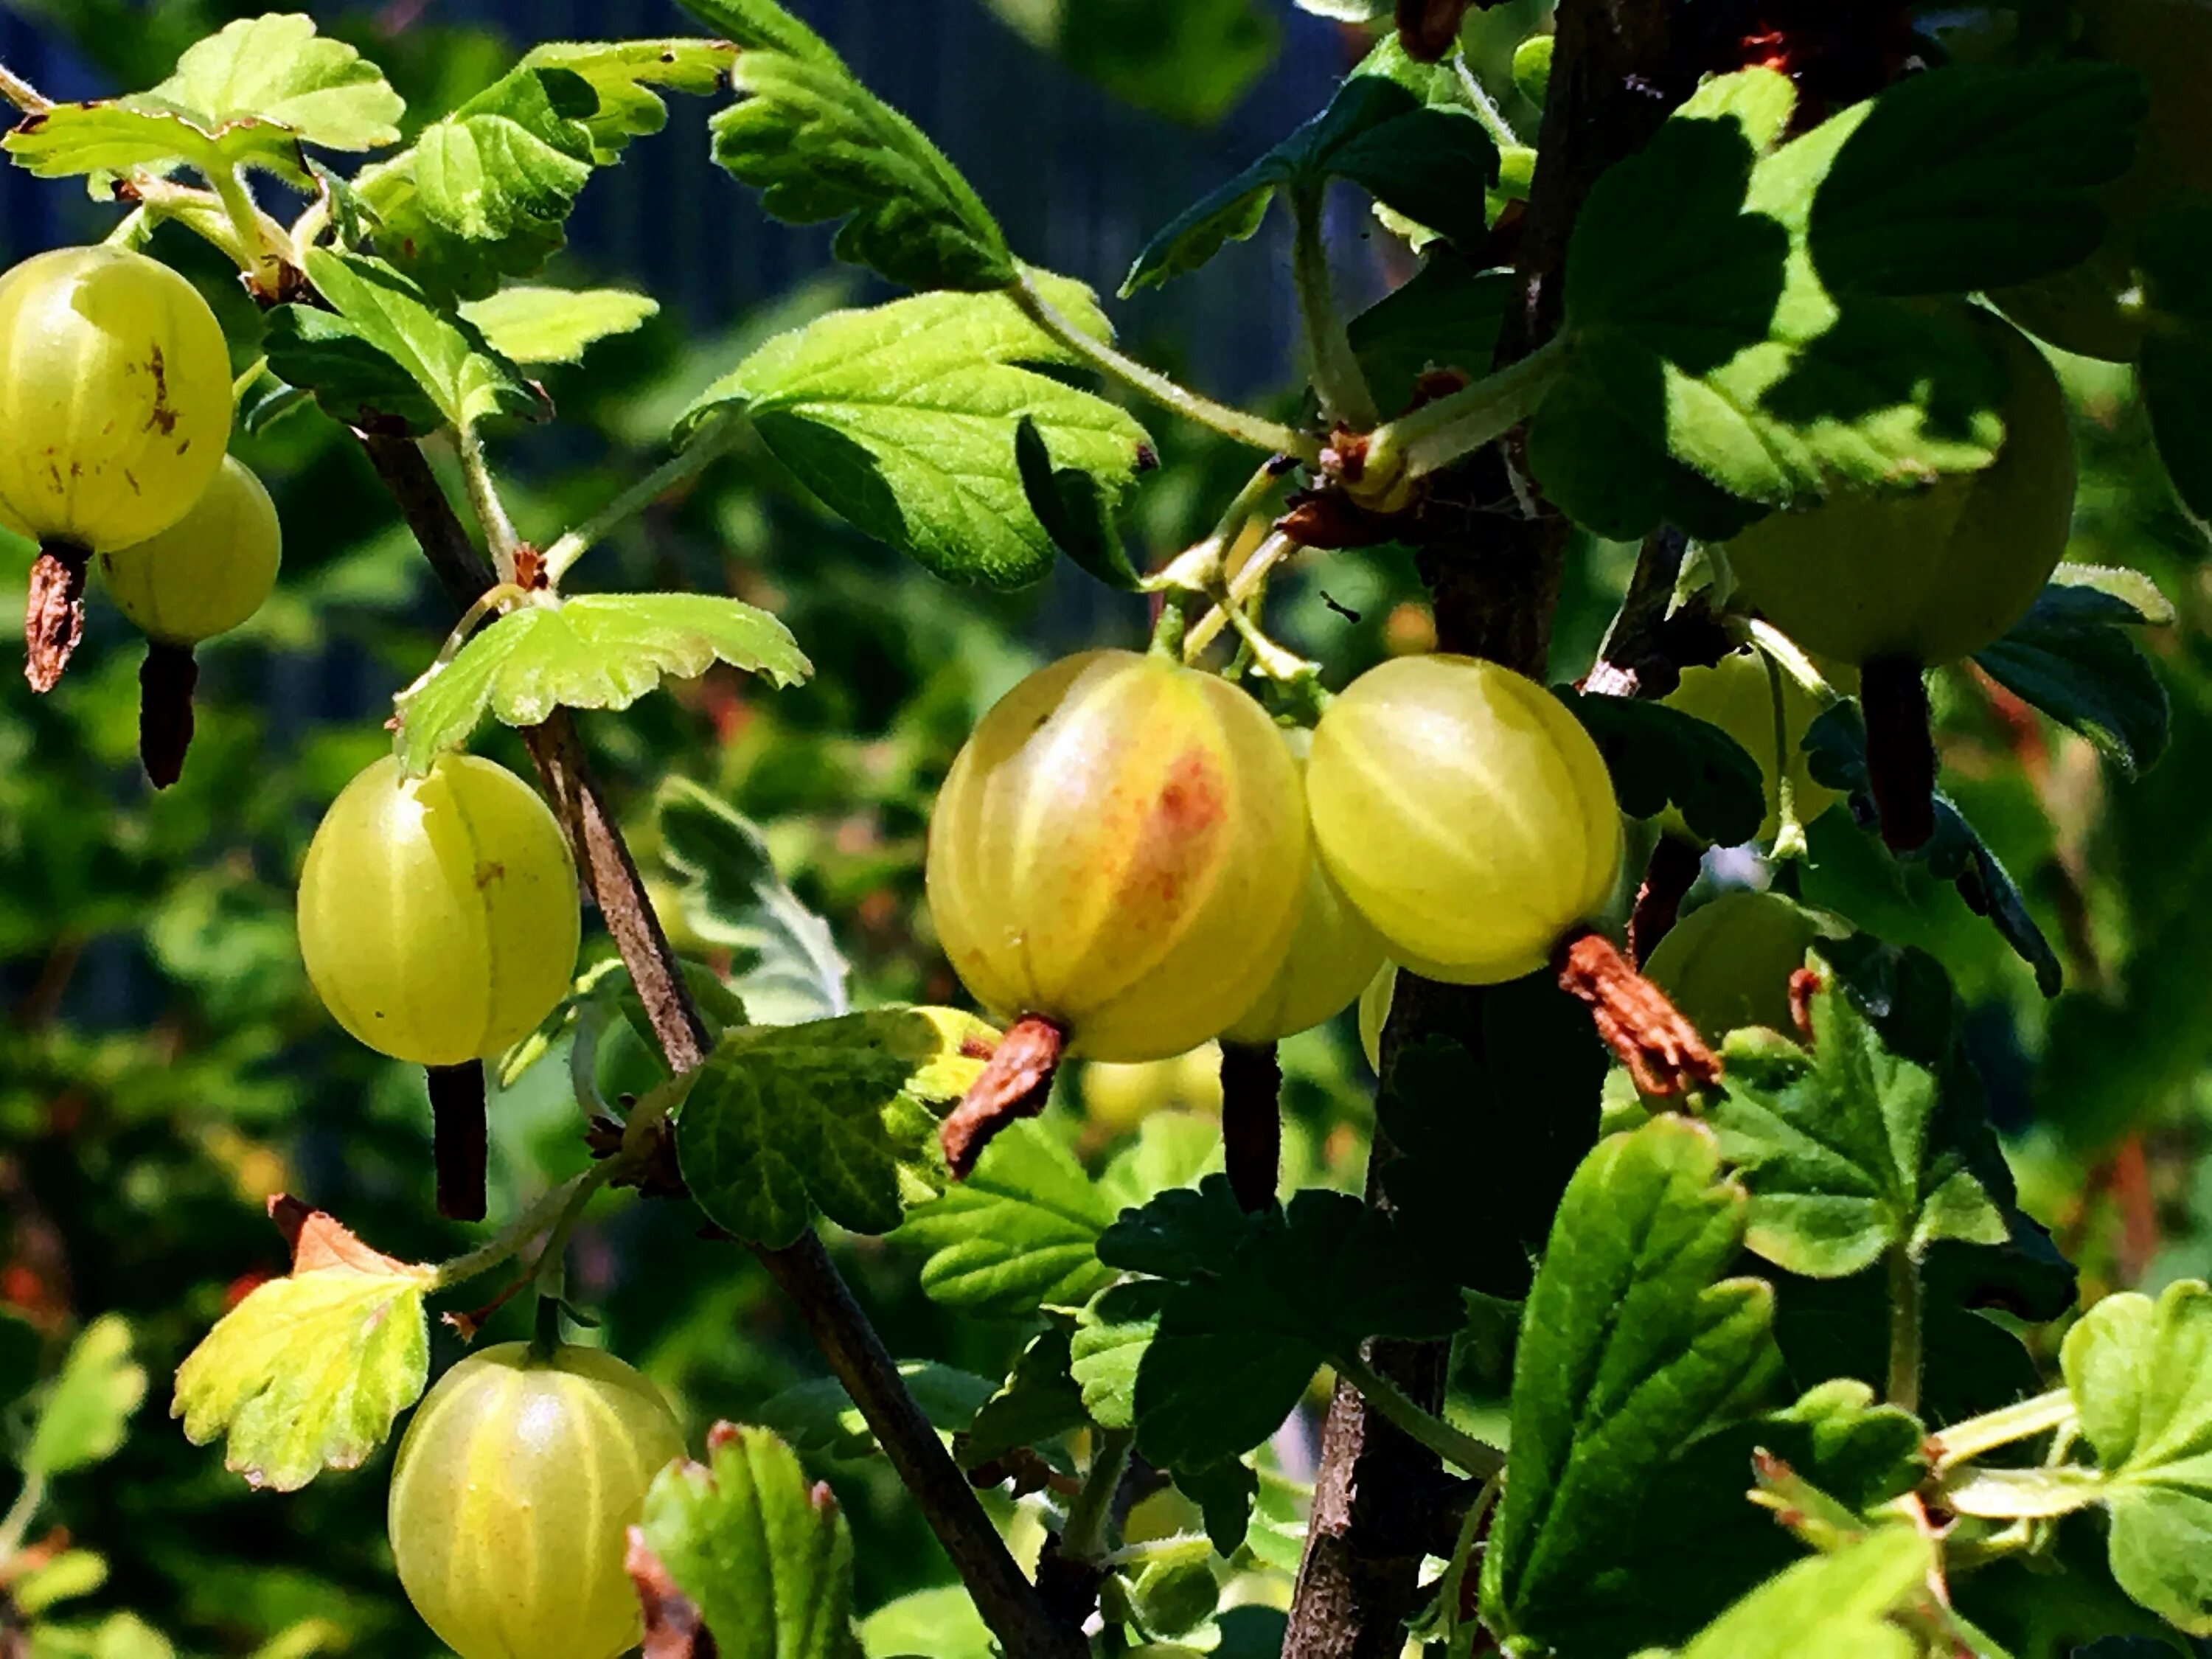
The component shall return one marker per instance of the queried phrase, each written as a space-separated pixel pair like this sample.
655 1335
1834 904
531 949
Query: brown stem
53 617
1900 752
1633 661
166 680
1661 1050
1493 555
1668 877
1015 1085
1007 1600
1252 1123
459 1138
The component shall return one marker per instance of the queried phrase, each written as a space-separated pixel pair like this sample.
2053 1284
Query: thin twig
686 463
21 94
1632 661
1007 1600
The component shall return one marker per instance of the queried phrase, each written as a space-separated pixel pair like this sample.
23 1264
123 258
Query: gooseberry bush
1692 1302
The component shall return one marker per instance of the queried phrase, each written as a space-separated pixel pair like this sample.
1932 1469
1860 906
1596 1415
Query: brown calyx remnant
1900 752
53 620
1430 28
166 680
1662 1050
1804 986
460 1134
1013 1085
529 569
1666 879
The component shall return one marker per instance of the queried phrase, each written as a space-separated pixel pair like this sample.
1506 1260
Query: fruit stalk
1900 752
460 1138
1009 1603
166 680
1015 1085
53 618
1252 1122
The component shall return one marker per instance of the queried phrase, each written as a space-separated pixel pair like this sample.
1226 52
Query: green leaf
1832 1606
787 966
1108 1348
276 68
1039 1402
1659 756
1708 366
1433 165
2177 357
1843 1148
593 651
2070 658
309 1370
838 1114
762 1553
1019 1234
87 1408
65 1577
2141 1375
1261 1307
903 420
118 1636
248 96
1190 60
1631 1347
623 74
819 146
385 353
931 1624
819 1419
1836 743
556 325
1447 316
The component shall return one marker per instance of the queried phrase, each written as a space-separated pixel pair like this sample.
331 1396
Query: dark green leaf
762 1551
1632 1348
787 966
1190 60
1225 1493
1659 756
2070 658
1072 510
1038 1402
594 651
819 1419
2176 363
1447 316
1837 744
838 1115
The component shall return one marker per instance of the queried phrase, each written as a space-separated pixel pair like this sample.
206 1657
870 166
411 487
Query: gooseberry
1728 965
1466 814
438 915
513 1494
1326 963
1737 694
1119 849
1116 1099
1935 572
207 572
116 404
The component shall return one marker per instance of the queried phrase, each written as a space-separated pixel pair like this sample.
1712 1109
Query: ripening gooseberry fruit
116 402
207 572
1466 813
1326 963
1117 1098
1736 694
1119 850
512 1497
1934 573
438 915
1728 965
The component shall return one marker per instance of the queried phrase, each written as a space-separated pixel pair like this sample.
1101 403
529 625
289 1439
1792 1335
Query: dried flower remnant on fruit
673 1628
53 618
1015 1085
1662 1050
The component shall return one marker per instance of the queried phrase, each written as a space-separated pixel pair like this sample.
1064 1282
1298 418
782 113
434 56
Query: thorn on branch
460 1138
1015 1085
1662 1050
53 617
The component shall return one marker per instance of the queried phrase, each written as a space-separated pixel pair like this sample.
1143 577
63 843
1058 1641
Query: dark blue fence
1079 180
